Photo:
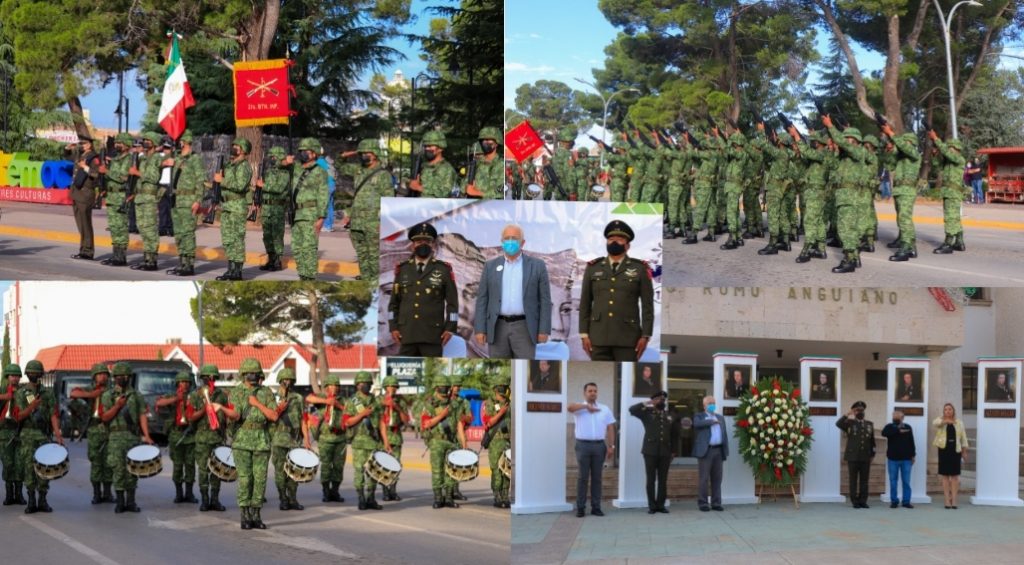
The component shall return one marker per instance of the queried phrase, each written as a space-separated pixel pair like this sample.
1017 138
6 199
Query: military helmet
34 366
391 381
125 138
441 381
369 146
908 137
435 138
100 368
871 140
121 368
166 141
183 377
955 144
286 374
332 380
583 152
309 144
501 382
566 134
455 379
242 144
152 136
209 370
277 152
490 132
852 132
250 365
12 370
186 136
363 377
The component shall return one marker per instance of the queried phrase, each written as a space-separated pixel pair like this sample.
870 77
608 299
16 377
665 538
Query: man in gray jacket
513 301
710 447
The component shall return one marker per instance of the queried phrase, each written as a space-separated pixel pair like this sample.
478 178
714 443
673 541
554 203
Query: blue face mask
711 408
510 246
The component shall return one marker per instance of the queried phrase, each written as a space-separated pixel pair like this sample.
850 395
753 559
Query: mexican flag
177 94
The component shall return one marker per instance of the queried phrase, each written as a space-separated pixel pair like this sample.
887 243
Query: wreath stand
774 491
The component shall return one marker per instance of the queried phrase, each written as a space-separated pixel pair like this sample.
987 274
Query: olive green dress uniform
661 436
208 439
117 185
424 303
83 197
365 439
332 442
286 434
950 162
860 449
125 434
250 446
12 474
311 192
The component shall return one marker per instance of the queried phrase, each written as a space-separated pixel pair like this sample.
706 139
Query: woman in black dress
951 439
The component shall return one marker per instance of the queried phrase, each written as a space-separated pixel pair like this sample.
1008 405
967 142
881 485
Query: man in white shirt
595 444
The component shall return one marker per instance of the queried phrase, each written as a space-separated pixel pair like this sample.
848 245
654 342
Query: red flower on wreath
778 473
792 469
743 423
776 385
806 431
796 393
753 390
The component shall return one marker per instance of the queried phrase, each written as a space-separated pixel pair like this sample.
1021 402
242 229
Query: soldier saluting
860 450
616 301
424 310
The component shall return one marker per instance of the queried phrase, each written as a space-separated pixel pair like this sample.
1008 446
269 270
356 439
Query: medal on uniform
500 268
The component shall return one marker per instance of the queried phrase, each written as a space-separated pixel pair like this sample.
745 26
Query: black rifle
552 176
807 123
629 139
489 434
471 171
607 148
103 181
880 120
844 123
213 197
129 189
417 169
257 196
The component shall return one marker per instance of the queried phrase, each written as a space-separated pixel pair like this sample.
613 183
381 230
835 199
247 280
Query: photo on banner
565 235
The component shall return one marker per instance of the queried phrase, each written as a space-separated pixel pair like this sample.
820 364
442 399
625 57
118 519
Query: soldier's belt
250 425
229 196
307 204
269 201
148 190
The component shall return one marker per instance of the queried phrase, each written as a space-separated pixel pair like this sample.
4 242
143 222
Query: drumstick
211 414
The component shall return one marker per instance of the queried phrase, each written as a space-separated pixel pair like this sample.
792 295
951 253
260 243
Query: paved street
994 256
409 531
37 240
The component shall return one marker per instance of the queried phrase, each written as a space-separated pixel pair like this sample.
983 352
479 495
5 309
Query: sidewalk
929 212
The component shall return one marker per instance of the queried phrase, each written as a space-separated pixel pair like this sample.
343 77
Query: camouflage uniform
678 193
848 175
586 176
208 439
778 182
904 164
490 175
753 178
500 435
285 436
365 439
391 416
275 202
868 224
950 162
371 183
124 434
332 442
618 164
561 162
9 440
438 178
234 210
36 430
654 176
191 178
640 157
814 198
441 440
311 192
117 184
181 442
147 194
735 168
251 444
707 176
100 472
464 415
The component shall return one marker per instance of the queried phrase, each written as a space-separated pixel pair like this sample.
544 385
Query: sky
102 102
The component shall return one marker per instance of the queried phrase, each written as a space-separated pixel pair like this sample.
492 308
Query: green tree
550 105
258 312
5 360
994 112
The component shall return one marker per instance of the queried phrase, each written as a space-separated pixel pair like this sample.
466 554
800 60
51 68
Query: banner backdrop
261 92
566 235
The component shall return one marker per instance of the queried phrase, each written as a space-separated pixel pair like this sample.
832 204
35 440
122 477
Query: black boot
204 494
783 244
947 246
282 495
269 264
818 251
189 495
327 492
31 508
867 244
449 499
293 500
178 496
188 269
769 249
747 234
362 500
335 497
671 232
690 237
958 242
805 254
393 491
371 500
19 495
9 498
119 506
42 505
148 262
497 501
457 494
246 521
438 499
176 270
257 520
847 265
97 496
710 235
107 495
129 501
904 254
895 244
215 499
234 272
732 243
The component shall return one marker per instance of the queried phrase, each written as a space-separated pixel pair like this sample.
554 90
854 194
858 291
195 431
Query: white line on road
460 539
68 541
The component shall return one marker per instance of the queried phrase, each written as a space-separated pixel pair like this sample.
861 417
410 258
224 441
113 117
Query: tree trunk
734 82
81 128
319 368
986 46
891 76
851 59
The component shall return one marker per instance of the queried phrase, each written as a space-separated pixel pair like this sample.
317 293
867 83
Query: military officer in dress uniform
99 471
617 301
661 435
424 310
860 451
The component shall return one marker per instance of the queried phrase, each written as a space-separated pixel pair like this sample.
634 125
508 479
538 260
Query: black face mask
34 379
366 160
363 388
860 415
423 251
147 145
305 157
121 381
252 378
429 155
235 152
442 390
616 248
489 147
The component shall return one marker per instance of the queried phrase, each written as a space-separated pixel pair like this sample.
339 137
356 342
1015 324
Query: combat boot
246 521
362 500
783 243
119 506
732 243
895 244
805 253
107 495
293 500
282 495
847 265
215 499
833 240
769 249
795 236
150 262
178 496
129 501
438 499
904 254
42 505
818 251
457 494
371 500
393 491
947 246
720 229
747 234
690 237
97 497
866 244
231 274
327 492
449 500
335 497
204 494
958 242
268 266
710 235
497 501
189 495
188 269
176 270
31 508
19 497
9 498
257 520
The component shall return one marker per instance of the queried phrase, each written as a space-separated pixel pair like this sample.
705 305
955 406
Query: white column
915 414
820 483
538 446
737 477
996 453
632 472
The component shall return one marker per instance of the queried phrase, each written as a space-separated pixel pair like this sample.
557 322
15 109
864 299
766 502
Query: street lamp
422 77
199 308
946 22
604 116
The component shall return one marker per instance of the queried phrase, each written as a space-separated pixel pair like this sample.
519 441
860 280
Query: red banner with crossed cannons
262 92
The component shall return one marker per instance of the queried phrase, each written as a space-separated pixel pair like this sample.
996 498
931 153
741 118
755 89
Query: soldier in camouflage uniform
736 166
753 179
706 156
9 437
423 313
860 450
285 435
189 176
904 161
147 194
497 425
311 190
654 175
253 408
950 162
35 409
208 438
362 423
678 206
868 224
490 171
331 439
234 185
372 183
440 428
618 163
465 415
778 182
394 415
275 201
438 177
126 417
181 440
848 173
562 163
100 472
117 184
640 157
586 176
815 156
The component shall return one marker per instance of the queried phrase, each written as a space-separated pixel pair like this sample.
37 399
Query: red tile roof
230 357
359 356
83 357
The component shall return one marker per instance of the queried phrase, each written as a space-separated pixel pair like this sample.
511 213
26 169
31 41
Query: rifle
213 196
845 123
489 433
289 211
807 123
257 197
417 168
552 176
129 189
471 172
173 192
604 146
629 138
103 181
788 125
714 125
